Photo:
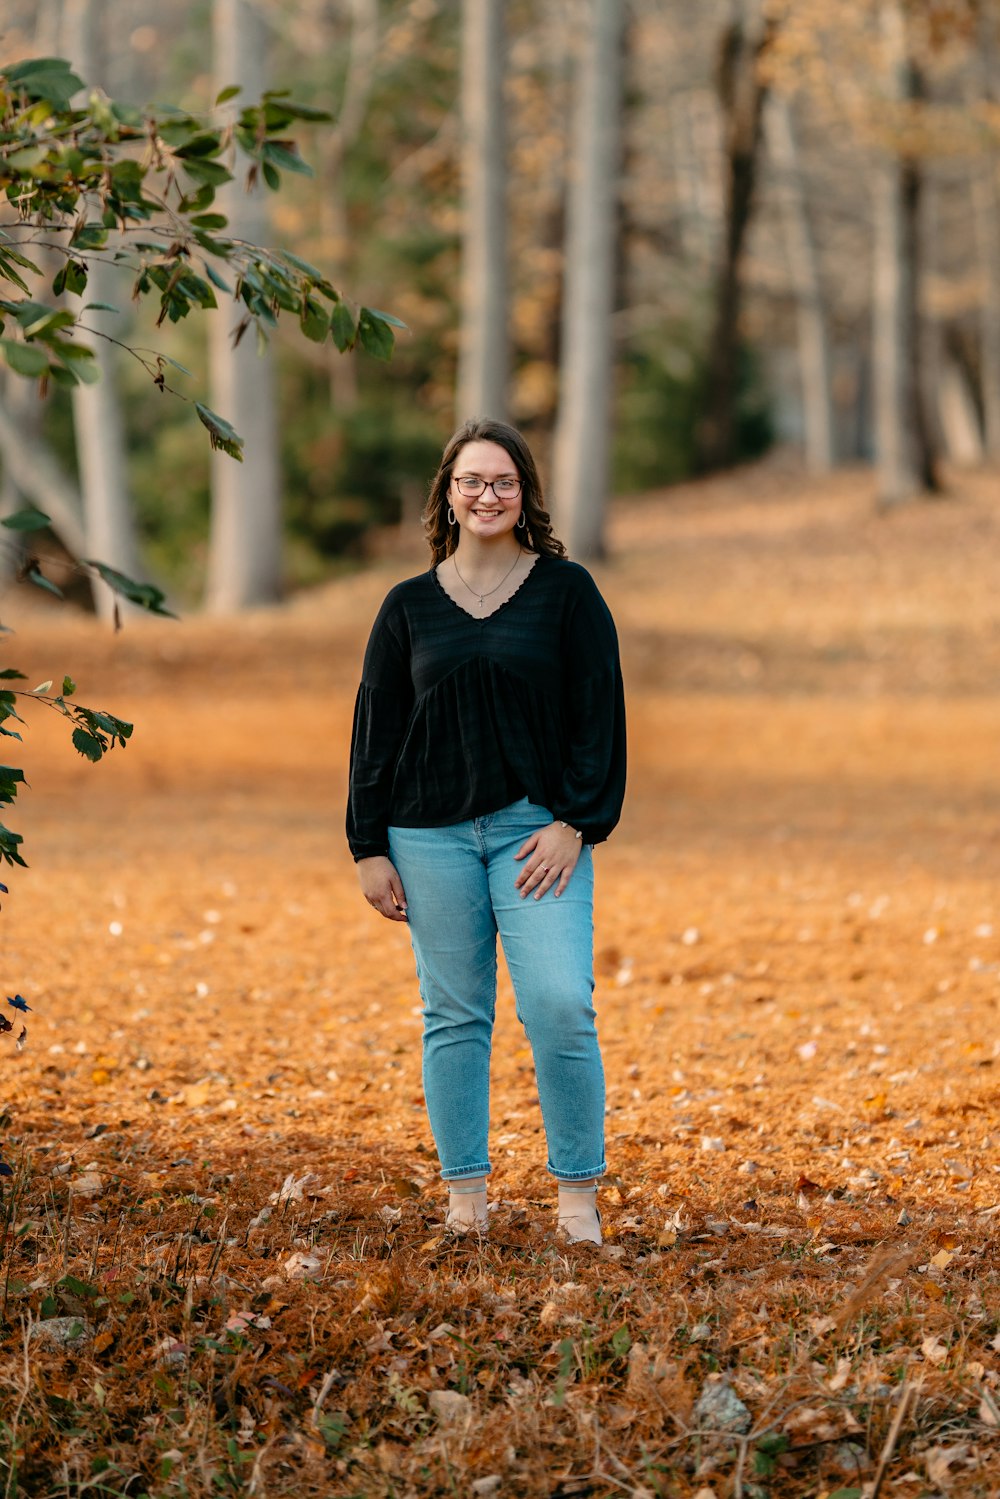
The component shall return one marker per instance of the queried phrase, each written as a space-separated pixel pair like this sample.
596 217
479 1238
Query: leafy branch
136 189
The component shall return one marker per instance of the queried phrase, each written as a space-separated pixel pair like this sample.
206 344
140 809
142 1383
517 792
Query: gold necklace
486 595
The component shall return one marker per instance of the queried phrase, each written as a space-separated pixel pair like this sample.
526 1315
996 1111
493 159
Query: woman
488 756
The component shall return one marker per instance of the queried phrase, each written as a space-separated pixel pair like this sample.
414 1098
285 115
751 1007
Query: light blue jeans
459 884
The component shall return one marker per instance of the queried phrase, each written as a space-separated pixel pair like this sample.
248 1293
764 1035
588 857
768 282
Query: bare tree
803 264
245 549
98 422
742 92
582 439
483 362
904 452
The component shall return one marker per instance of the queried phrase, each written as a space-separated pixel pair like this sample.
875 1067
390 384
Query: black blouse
457 717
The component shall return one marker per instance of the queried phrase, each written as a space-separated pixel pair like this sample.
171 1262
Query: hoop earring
521 523
451 516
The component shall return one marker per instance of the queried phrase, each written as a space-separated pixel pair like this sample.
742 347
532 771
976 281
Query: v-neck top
458 716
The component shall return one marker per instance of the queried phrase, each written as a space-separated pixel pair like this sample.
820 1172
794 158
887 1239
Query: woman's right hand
382 887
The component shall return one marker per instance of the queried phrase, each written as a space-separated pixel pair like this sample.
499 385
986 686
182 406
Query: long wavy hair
536 535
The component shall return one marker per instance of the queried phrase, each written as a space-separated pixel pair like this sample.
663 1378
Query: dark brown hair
536 535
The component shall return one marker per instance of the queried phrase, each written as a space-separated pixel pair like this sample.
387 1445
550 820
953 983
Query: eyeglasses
470 486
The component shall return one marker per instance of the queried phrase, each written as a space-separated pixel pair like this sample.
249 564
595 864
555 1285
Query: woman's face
495 512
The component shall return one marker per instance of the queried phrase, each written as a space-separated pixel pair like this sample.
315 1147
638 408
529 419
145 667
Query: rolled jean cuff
461 1173
576 1176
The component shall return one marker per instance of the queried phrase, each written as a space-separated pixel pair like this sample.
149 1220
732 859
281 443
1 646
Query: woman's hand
382 887
551 855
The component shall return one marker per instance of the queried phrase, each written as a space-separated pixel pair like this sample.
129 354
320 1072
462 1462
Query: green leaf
314 320
218 280
146 595
6 269
80 359
9 851
28 519
293 110
376 336
387 317
70 277
40 581
280 156
88 745
63 375
48 78
221 433
68 687
212 172
90 237
81 1288
44 322
343 328
9 253
23 359
9 674
72 352
271 176
26 158
204 143
305 267
228 93
621 1341
210 221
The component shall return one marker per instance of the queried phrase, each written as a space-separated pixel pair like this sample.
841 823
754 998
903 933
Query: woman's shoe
469 1214
579 1220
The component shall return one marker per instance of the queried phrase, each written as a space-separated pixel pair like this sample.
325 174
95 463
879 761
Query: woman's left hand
551 855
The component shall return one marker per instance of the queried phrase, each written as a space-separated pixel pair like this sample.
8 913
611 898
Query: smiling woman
488 756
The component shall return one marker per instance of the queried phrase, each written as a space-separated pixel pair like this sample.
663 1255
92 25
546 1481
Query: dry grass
225 1179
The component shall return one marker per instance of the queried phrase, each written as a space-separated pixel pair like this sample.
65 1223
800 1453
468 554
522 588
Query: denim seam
459 1173
576 1176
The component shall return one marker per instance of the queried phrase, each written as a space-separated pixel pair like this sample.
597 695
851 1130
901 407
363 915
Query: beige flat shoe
579 1221
458 1220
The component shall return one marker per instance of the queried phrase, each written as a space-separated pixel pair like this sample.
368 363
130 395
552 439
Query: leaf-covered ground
223 1267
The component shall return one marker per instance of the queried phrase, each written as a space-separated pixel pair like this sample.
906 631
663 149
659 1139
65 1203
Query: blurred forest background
660 236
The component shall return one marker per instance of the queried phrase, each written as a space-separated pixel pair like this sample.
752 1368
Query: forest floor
224 1266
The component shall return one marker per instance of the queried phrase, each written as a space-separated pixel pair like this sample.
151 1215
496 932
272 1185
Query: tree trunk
987 221
803 259
742 93
30 467
582 439
957 415
483 361
986 212
97 414
903 447
361 62
244 566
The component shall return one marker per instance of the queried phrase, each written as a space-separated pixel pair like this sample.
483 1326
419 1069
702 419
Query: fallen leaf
449 1406
934 1349
940 1460
299 1265
87 1185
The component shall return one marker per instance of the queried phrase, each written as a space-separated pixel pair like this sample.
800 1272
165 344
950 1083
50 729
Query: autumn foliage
224 1270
